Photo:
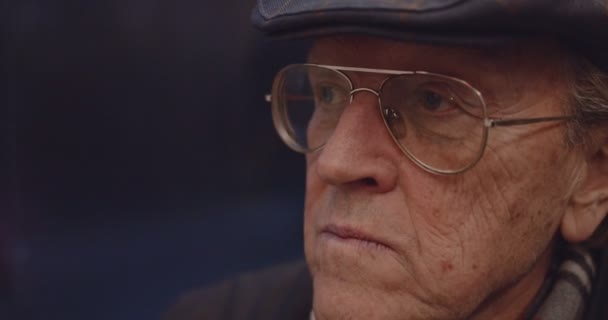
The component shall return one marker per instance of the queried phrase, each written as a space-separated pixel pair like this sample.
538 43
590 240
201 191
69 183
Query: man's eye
435 101
432 100
328 94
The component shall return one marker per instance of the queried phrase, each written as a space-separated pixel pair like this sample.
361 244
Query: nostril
369 182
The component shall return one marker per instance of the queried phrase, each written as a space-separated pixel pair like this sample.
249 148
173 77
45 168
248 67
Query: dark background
138 155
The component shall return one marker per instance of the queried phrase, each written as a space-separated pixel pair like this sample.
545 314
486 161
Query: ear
588 206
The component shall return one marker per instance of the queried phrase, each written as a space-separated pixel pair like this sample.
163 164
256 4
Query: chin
351 282
339 299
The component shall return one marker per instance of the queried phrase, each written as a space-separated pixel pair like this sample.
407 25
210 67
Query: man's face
386 240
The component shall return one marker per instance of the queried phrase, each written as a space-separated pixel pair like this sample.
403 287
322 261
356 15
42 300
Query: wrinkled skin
471 246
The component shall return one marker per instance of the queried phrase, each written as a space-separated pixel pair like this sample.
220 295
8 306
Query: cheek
522 194
313 199
314 189
496 219
529 173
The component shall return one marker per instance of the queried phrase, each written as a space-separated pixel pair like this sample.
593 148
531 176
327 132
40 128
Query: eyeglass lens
436 120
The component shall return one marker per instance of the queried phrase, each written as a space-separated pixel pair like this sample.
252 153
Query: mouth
352 236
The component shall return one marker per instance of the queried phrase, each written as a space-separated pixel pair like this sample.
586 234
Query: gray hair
590 101
590 108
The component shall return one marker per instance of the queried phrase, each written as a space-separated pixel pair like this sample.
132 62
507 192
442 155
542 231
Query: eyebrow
470 74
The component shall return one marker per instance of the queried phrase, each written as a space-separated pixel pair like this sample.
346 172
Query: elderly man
457 163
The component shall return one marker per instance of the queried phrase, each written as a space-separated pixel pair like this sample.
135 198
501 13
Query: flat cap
579 24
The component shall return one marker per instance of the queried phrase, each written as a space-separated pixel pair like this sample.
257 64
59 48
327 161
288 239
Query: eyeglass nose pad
394 122
390 113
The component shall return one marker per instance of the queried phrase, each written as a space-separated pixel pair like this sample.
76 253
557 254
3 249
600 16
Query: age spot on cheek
516 215
446 266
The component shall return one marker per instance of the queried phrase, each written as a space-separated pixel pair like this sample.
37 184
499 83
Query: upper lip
348 232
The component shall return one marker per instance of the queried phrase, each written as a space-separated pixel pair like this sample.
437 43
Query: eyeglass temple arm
522 121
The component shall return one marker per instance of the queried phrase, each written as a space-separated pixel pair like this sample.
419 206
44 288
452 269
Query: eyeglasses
440 122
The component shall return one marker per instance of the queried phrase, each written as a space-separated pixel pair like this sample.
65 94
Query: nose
360 152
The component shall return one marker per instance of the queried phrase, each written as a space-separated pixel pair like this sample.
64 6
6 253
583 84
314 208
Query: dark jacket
285 293
281 292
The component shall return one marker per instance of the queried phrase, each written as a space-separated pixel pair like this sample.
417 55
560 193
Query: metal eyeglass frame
279 115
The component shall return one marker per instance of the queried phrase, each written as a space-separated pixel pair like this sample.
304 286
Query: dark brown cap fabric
580 24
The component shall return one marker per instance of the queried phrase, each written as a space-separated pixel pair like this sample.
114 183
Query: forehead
378 52
382 53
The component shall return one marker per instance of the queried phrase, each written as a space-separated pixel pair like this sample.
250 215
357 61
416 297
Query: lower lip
355 242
